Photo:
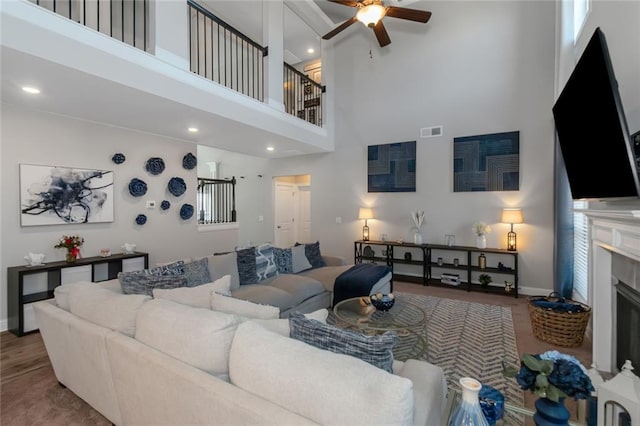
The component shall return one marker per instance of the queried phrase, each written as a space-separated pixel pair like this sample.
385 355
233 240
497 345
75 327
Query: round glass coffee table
405 318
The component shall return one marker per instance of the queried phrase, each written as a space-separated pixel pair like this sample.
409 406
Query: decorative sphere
382 302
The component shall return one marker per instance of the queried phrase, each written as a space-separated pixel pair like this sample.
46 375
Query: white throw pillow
231 305
196 336
328 388
106 308
198 296
299 261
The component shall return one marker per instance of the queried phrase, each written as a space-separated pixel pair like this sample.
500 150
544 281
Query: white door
304 214
284 232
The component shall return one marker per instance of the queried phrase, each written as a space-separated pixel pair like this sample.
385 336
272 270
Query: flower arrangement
418 218
553 375
481 228
72 244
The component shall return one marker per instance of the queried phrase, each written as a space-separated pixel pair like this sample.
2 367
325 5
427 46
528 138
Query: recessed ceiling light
310 50
270 148
31 90
193 130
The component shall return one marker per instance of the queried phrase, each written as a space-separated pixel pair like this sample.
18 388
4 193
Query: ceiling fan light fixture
371 14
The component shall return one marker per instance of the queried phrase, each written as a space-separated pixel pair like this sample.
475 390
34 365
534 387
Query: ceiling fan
371 12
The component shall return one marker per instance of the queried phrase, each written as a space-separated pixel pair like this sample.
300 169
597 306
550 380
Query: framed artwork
392 167
487 162
51 195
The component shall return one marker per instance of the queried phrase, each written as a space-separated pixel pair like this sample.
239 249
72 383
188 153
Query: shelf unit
467 268
30 284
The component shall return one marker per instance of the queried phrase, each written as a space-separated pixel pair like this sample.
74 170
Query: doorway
292 210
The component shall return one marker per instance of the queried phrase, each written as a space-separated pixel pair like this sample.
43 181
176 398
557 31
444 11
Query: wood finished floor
21 358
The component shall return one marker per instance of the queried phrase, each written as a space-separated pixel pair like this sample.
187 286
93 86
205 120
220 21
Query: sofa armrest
334 260
429 389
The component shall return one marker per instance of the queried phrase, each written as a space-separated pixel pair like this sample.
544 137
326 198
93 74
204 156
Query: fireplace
614 287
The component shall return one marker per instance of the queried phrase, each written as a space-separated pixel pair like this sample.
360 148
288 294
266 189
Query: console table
29 284
435 261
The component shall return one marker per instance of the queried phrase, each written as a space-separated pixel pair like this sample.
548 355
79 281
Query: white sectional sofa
144 361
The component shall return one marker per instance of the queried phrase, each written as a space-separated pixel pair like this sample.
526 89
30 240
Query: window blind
580 250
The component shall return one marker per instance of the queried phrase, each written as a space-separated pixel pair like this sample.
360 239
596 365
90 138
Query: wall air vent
430 132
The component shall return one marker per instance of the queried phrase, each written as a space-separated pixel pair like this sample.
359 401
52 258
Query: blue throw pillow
284 260
265 262
197 272
144 284
312 251
246 259
377 350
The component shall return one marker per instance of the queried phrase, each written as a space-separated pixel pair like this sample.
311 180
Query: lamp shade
365 213
371 14
512 215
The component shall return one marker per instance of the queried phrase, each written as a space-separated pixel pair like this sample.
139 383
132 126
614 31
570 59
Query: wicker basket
559 328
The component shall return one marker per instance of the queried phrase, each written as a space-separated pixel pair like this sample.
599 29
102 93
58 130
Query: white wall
475 68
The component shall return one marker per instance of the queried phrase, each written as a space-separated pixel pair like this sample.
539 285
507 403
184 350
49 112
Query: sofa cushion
328 388
377 350
312 251
231 305
265 263
265 295
173 268
299 259
144 284
283 259
224 264
197 272
300 288
326 275
246 259
106 308
196 336
196 296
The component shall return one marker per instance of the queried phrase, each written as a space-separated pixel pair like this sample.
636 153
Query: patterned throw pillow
284 260
175 268
376 350
312 251
144 284
246 259
265 262
197 272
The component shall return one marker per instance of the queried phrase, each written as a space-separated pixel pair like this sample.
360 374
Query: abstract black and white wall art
392 167
51 195
487 162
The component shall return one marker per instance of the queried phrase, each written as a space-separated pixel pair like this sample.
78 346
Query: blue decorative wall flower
186 211
118 158
155 165
164 205
137 187
177 186
141 219
189 161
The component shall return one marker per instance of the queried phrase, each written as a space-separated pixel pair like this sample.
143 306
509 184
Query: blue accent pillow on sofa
246 259
312 251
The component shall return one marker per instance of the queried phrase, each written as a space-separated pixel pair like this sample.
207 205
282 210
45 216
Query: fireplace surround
614 265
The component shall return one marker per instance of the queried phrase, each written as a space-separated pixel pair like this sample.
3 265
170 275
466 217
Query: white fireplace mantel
611 231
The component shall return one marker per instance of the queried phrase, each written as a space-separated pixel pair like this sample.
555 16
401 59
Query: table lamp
511 216
365 213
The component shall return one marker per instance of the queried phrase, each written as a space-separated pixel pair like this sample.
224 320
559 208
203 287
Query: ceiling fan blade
409 14
381 34
339 28
346 2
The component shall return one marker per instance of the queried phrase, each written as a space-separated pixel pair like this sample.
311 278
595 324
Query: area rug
467 339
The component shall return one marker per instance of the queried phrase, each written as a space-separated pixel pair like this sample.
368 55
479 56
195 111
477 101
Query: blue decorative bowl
382 302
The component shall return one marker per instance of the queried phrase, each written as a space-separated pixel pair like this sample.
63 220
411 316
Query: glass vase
551 413
70 257
469 411
481 241
417 237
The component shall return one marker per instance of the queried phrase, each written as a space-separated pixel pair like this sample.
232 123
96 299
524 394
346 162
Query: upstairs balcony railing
216 200
302 96
125 20
223 54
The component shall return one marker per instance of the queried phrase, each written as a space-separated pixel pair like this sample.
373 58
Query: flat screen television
592 130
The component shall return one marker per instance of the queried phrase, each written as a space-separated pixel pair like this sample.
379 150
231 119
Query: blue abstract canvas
51 195
392 167
487 162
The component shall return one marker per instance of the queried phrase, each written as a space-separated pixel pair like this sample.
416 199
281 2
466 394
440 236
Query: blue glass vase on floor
469 412
551 413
